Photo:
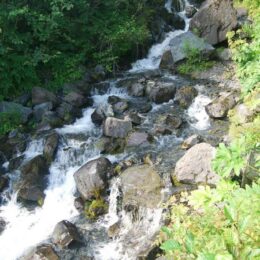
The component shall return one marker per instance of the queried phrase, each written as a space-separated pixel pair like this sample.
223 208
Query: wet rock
109 145
76 99
190 11
167 61
179 43
214 19
98 74
191 141
39 110
113 100
65 233
141 187
68 112
2 158
224 55
136 90
220 106
134 118
98 116
114 230
31 193
178 5
161 130
51 118
195 166
138 139
41 95
117 128
173 121
160 92
50 147
185 95
4 182
41 252
22 112
92 177
15 163
120 107
144 108
2 225
23 99
79 204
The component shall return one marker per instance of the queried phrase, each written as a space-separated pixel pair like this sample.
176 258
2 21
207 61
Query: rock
15 163
22 112
109 145
162 131
76 99
120 107
68 112
41 252
224 55
138 139
244 114
92 177
4 182
136 90
2 225
51 118
31 193
113 100
79 204
191 141
98 116
23 99
214 19
41 95
65 233
134 118
195 166
98 74
185 95
180 43
178 5
220 106
141 187
39 110
173 121
190 11
160 92
167 61
117 128
50 147
144 108
114 230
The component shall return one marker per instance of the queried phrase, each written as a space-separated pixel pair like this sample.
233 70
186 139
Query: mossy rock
95 208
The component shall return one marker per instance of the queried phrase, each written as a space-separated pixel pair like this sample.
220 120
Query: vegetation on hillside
51 42
223 222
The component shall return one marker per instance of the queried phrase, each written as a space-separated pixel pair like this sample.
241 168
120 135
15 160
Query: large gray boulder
117 128
138 139
65 233
160 92
141 187
41 95
22 112
41 109
76 99
92 177
180 44
214 19
195 166
220 106
185 95
51 146
41 252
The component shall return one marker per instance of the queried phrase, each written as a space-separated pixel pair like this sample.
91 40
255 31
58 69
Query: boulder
224 55
244 114
39 110
76 99
195 166
114 230
113 100
180 44
220 106
120 107
185 95
2 225
138 139
31 193
23 99
92 177
190 11
65 233
68 112
52 118
4 182
41 252
50 147
167 61
136 90
22 112
134 118
178 5
160 92
41 95
141 187
191 141
173 121
98 116
109 145
117 128
144 107
79 204
15 163
213 20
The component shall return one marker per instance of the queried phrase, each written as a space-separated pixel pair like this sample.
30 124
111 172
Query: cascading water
26 228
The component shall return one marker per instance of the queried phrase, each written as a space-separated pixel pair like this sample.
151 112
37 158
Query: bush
9 121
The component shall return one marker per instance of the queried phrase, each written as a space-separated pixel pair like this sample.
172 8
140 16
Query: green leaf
189 243
170 245
230 213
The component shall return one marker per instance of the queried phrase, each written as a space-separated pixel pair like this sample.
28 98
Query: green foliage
50 42
214 224
9 121
95 208
195 61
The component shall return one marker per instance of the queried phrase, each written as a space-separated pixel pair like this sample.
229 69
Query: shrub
9 121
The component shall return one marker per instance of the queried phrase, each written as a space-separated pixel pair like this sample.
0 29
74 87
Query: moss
188 68
95 208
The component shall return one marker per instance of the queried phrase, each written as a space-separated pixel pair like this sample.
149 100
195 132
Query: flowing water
26 228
